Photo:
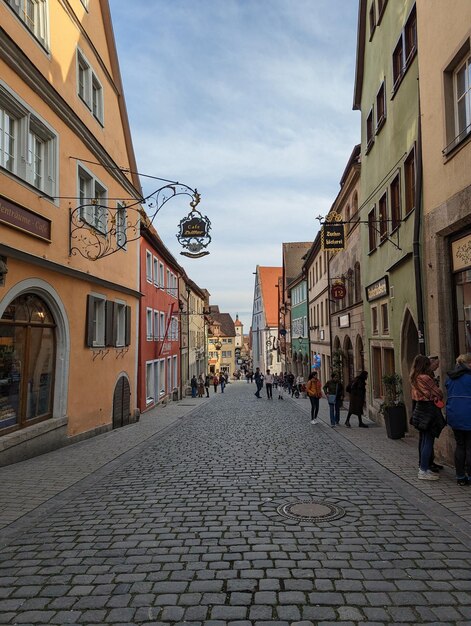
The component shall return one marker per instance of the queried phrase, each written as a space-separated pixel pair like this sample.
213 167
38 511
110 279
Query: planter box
395 420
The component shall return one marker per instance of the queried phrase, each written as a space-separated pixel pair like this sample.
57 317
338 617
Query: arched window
27 362
355 204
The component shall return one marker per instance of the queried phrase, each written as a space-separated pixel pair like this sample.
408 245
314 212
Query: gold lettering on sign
23 219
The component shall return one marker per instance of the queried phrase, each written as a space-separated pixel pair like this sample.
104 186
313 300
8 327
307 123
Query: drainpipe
416 241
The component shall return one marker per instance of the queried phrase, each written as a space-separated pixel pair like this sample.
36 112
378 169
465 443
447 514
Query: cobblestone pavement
188 526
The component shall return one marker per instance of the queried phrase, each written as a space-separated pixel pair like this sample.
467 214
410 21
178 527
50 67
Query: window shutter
127 339
110 322
90 329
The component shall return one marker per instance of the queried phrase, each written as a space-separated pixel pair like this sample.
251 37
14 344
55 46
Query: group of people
427 416
202 384
284 382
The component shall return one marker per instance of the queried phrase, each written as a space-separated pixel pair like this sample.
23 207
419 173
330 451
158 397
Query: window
121 235
372 19
161 276
92 198
162 326
169 374
385 319
372 229
381 7
28 148
168 280
369 131
148 266
357 282
374 320
405 50
376 361
380 108
149 334
383 217
162 377
89 87
175 371
96 321
463 99
156 325
409 177
150 388
120 321
395 203
34 15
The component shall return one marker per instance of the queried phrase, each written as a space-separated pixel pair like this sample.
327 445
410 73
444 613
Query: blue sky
249 101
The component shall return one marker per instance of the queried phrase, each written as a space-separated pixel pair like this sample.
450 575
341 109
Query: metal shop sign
333 237
379 289
23 219
338 291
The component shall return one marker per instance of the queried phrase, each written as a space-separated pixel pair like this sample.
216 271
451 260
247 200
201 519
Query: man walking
269 385
258 381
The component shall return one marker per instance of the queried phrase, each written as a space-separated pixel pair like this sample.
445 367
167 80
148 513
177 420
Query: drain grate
311 511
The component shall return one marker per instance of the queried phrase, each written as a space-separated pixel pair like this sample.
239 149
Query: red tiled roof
269 277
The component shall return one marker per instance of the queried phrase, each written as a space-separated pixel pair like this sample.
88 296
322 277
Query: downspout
416 241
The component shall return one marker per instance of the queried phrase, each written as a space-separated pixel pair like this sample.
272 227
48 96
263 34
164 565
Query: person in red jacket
314 392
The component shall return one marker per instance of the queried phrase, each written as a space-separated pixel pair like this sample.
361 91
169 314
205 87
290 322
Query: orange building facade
69 255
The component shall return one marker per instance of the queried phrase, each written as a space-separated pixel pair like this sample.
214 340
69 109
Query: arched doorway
409 349
121 402
348 363
27 362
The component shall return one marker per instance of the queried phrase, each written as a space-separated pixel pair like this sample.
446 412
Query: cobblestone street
188 523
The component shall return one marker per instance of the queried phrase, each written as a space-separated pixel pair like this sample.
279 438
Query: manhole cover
311 511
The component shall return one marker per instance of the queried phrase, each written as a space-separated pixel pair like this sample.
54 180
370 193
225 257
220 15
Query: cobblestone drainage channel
311 511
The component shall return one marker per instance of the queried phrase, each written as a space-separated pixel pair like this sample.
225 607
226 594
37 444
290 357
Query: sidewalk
400 456
26 485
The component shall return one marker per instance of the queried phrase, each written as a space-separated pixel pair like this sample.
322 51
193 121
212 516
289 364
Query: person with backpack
333 389
215 383
314 393
357 391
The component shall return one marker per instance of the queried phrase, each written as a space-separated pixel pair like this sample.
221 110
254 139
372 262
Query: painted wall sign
344 321
379 289
461 253
23 219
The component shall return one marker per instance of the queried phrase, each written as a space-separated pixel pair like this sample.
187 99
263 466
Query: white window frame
92 196
155 265
156 325
466 96
120 311
148 266
162 326
28 144
149 321
161 275
150 382
89 87
99 321
36 22
169 375
162 377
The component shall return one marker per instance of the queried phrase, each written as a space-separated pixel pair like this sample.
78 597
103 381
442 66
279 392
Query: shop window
27 363
150 388
28 147
409 181
34 15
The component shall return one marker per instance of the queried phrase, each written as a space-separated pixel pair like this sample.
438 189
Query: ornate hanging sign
338 291
333 233
193 233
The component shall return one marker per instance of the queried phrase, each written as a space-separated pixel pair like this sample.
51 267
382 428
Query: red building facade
159 329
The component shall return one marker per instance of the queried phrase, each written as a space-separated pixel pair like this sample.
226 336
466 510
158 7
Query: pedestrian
357 391
314 393
269 385
251 376
258 381
333 389
427 418
222 380
200 386
207 383
276 380
280 392
194 386
290 380
458 412
215 383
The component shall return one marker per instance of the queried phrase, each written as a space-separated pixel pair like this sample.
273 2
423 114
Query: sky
250 102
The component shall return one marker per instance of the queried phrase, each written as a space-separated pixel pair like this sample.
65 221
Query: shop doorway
27 363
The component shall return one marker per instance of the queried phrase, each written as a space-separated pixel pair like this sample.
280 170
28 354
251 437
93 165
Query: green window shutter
89 328
127 340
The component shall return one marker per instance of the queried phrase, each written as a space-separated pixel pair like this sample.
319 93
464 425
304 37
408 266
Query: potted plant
393 408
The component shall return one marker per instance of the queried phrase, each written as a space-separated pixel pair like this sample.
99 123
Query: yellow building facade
69 287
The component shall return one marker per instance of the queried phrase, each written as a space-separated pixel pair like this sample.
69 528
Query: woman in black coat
357 392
